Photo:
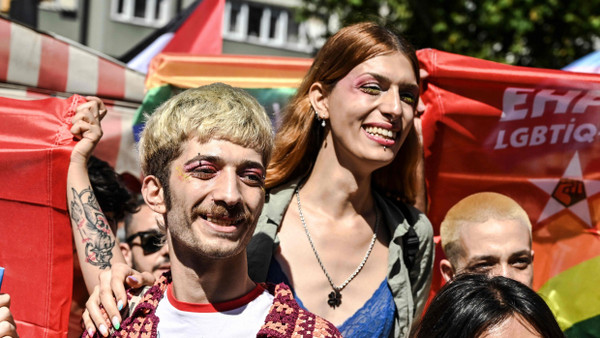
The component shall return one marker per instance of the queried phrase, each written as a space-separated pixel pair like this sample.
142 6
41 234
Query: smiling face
496 247
155 262
217 194
370 110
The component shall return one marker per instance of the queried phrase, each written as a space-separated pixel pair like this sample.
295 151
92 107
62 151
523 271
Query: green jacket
410 289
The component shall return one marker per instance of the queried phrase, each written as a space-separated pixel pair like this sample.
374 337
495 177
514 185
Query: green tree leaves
537 33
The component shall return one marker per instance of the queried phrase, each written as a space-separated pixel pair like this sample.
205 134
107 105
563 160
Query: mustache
162 262
237 212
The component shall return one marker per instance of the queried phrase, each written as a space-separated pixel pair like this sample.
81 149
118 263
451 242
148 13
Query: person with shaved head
487 233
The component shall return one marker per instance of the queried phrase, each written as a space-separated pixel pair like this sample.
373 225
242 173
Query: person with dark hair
144 246
339 226
97 200
114 198
478 305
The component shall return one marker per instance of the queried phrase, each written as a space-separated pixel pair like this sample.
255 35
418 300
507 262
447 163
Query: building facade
254 27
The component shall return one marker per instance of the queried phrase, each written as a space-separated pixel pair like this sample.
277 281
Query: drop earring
319 118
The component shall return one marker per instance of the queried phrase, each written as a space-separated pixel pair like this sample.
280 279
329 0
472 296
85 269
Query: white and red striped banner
41 61
34 65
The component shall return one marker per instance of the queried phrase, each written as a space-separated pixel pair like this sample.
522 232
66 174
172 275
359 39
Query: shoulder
277 200
150 294
286 318
399 212
421 223
142 305
264 240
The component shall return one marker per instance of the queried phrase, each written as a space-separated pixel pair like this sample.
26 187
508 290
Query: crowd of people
310 233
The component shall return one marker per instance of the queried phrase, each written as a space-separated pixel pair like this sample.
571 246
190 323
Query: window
59 5
152 13
254 20
265 25
293 31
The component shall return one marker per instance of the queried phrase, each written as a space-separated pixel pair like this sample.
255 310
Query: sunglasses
151 241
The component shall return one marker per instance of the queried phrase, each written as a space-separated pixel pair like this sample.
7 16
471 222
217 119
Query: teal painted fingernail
115 322
120 305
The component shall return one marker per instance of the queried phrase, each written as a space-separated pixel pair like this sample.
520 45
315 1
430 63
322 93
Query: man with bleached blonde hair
487 233
204 154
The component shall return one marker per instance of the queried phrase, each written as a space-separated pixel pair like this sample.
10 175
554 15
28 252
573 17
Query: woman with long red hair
342 180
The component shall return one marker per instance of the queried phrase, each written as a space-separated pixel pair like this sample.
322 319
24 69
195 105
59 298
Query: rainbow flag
271 80
531 134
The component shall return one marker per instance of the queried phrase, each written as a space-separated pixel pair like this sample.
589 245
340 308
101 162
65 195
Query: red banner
35 233
533 135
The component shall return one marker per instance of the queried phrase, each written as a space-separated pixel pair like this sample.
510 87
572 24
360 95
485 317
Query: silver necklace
335 297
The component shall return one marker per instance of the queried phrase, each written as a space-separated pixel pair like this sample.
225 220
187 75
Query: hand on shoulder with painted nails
103 308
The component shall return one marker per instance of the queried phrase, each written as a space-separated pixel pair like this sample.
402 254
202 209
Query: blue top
374 319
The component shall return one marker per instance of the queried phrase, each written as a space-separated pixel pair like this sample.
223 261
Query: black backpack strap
410 240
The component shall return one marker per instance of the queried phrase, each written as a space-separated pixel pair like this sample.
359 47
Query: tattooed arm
94 241
93 227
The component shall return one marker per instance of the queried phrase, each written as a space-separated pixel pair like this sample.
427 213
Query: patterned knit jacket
285 317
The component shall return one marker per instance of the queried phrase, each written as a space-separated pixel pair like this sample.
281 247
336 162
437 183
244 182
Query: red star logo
570 192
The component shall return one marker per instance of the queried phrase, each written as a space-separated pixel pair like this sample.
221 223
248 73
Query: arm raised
95 242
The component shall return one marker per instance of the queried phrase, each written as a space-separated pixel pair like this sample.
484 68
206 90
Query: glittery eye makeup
254 176
368 83
203 168
370 88
374 84
201 161
191 166
206 167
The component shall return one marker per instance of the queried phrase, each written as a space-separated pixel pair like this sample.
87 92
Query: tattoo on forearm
93 227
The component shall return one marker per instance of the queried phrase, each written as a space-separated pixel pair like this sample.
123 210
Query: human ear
126 251
446 269
318 100
153 194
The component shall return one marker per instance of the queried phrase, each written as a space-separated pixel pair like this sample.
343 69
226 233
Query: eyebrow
200 157
484 258
492 257
522 252
217 159
252 164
